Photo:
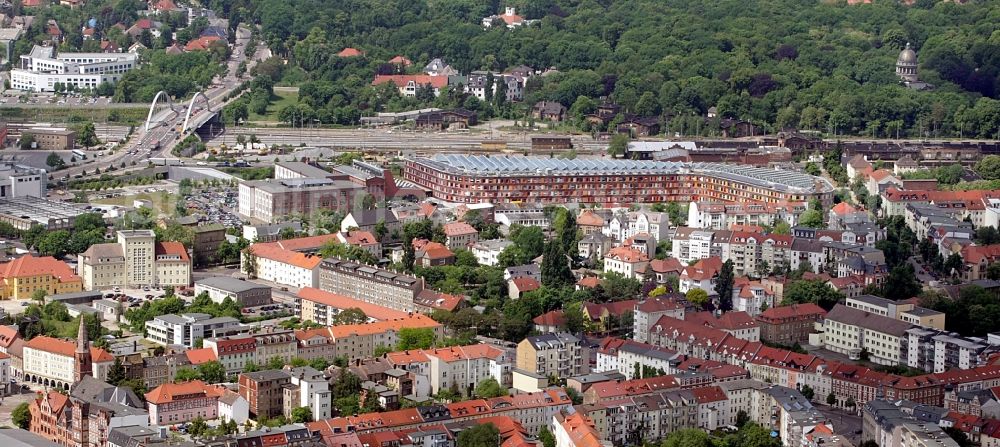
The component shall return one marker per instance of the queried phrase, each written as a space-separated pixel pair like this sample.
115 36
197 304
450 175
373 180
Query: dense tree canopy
778 63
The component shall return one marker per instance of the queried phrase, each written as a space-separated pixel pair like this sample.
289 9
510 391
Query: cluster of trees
178 75
830 68
976 312
52 319
88 230
172 304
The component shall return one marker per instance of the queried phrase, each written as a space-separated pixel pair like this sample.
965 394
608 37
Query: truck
166 161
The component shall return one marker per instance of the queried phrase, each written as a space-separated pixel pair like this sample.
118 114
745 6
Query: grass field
162 203
279 100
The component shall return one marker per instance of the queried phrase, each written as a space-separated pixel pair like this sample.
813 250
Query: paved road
164 130
385 139
845 423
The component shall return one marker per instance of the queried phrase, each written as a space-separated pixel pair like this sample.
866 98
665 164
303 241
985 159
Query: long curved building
608 182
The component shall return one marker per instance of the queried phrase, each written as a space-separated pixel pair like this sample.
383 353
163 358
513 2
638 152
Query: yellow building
20 278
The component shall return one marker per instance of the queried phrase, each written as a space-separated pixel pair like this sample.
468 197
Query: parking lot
20 97
216 204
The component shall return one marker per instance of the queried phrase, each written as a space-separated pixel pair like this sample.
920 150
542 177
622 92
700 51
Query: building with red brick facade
609 182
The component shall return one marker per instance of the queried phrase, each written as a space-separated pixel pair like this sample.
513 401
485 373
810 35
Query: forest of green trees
815 65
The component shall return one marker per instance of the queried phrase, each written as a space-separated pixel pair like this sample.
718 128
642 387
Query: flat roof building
477 178
245 293
25 212
42 69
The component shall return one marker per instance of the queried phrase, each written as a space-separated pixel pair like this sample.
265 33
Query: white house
233 407
628 262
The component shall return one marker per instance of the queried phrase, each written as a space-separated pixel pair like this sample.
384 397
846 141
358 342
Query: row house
358 341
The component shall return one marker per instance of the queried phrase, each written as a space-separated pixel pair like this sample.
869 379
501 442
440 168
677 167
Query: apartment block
901 311
20 278
264 390
560 355
851 331
475 178
323 307
358 341
458 368
937 351
787 325
307 388
369 284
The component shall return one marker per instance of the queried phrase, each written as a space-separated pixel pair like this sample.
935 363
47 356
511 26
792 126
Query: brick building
263 389
473 179
788 325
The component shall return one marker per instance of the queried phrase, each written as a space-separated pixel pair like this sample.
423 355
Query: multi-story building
560 355
625 261
233 353
310 389
722 216
459 367
175 403
487 251
850 331
888 425
357 341
207 239
157 370
473 179
268 201
291 262
648 311
56 363
573 429
85 417
460 235
901 311
369 284
244 293
22 181
51 139
135 260
364 240
42 69
264 391
690 244
787 325
323 307
937 351
186 329
20 278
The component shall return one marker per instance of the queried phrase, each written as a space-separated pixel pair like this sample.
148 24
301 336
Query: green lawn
279 100
162 203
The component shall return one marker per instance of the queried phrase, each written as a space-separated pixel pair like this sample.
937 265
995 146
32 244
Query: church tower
82 355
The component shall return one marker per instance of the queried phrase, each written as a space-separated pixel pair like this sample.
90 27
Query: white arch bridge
187 115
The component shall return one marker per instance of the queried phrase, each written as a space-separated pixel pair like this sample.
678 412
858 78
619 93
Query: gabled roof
626 254
793 311
551 318
338 301
589 218
199 356
350 52
169 392
418 80
458 229
525 284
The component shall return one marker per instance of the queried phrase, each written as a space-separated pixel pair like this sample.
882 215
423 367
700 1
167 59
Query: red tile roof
550 318
412 321
626 254
418 80
793 311
7 335
199 356
400 60
843 209
66 348
172 248
589 282
27 266
709 394
201 43
581 431
435 250
458 229
168 392
358 237
975 254
704 269
666 265
350 52
729 321
525 284
589 218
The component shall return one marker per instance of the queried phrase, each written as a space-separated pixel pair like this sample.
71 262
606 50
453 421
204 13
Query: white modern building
42 69
186 329
487 251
